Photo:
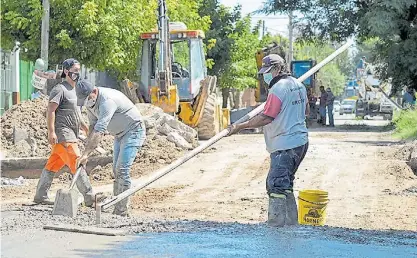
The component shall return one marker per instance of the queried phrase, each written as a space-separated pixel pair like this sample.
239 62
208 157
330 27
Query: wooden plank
86 230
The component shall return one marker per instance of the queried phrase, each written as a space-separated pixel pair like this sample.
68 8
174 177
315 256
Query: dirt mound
167 138
404 153
408 153
29 116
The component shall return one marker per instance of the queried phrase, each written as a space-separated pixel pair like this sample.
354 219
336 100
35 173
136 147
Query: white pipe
16 66
165 170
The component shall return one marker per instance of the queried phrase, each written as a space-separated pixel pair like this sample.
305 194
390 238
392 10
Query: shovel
66 200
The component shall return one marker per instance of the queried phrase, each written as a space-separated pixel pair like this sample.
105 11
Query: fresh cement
237 240
182 238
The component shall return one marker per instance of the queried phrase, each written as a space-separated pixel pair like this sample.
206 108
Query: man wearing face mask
110 110
286 137
64 122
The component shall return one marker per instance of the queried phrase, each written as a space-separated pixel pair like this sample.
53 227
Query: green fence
26 88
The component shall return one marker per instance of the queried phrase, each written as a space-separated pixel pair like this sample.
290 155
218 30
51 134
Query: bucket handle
316 203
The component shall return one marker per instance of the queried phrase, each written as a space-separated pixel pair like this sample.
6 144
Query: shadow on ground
378 143
353 128
210 239
337 129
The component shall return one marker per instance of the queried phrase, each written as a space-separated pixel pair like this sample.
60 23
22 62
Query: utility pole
45 33
263 28
290 37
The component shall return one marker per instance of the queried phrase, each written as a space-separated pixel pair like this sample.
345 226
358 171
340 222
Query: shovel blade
66 203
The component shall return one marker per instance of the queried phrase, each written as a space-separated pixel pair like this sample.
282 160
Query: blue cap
83 89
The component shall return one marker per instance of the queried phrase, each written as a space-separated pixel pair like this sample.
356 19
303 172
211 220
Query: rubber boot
44 184
121 208
277 210
84 186
292 212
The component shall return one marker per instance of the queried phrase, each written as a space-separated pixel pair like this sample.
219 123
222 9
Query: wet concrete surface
238 240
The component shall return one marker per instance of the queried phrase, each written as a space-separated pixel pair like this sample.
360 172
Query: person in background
329 105
312 103
322 107
409 97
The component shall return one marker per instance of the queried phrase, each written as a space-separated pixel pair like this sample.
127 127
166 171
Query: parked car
336 106
347 107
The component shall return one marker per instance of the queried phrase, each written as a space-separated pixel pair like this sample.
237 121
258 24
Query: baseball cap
83 89
67 64
269 61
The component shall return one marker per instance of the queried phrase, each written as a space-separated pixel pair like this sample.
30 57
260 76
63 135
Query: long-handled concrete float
164 171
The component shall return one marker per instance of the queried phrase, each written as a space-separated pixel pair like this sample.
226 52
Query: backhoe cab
179 84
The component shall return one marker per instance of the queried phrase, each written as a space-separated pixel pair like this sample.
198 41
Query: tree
102 34
223 20
242 71
234 47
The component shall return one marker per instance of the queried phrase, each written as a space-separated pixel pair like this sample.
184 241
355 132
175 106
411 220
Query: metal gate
6 81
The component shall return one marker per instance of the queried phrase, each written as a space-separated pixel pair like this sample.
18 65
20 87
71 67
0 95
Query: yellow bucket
312 206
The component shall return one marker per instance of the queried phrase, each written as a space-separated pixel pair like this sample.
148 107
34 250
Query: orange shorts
63 154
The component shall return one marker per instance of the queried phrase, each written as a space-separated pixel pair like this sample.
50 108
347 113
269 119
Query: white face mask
90 102
268 78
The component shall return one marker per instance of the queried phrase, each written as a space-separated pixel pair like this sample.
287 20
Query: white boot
292 212
277 210
121 208
84 186
44 184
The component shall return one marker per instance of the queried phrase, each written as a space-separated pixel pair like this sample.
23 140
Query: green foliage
102 34
223 20
241 73
231 46
406 124
329 20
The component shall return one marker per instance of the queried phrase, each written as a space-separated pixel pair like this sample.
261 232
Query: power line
270 18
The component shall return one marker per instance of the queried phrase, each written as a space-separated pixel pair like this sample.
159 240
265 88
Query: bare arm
106 112
92 142
50 118
83 125
257 121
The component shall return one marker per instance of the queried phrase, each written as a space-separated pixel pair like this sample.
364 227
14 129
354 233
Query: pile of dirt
404 153
408 152
31 117
167 138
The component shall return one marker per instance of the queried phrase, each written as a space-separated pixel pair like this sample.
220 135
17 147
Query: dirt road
369 188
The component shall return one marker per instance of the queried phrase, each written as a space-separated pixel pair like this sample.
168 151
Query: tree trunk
236 98
225 96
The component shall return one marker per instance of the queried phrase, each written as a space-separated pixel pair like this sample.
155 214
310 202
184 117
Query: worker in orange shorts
64 123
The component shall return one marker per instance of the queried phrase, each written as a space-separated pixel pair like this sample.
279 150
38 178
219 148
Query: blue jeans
322 111
330 112
284 164
125 149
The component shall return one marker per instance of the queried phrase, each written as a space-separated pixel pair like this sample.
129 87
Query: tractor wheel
209 124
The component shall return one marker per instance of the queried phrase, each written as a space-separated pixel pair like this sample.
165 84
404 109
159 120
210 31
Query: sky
275 24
